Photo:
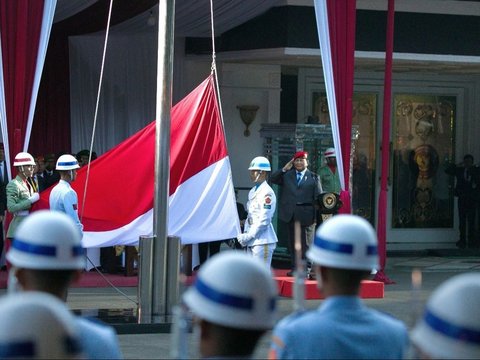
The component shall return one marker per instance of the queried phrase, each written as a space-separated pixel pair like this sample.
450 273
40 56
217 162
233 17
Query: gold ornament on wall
247 114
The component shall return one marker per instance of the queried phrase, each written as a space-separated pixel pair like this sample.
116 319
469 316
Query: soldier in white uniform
63 198
259 236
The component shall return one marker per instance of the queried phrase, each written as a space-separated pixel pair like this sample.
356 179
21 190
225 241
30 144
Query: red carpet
370 289
94 279
90 279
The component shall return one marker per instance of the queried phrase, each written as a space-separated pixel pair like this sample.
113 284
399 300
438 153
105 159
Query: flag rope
111 284
214 65
100 81
214 71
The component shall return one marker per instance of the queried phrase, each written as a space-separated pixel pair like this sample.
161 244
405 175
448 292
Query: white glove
34 198
243 239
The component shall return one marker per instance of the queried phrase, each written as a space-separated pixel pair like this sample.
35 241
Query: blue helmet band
343 248
44 250
17 349
67 163
452 331
236 301
27 349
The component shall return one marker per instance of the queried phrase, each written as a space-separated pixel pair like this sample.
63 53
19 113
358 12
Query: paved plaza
399 301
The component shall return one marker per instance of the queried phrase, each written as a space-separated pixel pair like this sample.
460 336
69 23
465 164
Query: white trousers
263 252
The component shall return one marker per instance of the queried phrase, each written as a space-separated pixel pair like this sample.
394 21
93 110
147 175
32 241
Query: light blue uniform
63 198
342 328
98 341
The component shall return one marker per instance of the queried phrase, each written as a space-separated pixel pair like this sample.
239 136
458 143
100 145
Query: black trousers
213 246
466 217
306 232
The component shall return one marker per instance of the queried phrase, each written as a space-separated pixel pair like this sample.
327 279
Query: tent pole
160 305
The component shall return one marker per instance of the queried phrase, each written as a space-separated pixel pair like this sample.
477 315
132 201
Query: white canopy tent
128 92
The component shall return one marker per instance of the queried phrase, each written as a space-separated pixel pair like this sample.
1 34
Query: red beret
300 154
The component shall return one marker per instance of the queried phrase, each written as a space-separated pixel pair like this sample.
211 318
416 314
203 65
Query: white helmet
330 152
23 158
67 162
37 326
47 240
345 242
450 327
260 163
234 290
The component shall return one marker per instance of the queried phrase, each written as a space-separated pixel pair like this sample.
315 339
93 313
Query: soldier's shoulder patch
265 206
268 199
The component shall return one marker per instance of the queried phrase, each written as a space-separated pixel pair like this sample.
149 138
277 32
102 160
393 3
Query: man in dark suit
300 189
466 189
50 175
38 173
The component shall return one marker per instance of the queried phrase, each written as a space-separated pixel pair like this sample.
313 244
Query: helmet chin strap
67 175
13 285
318 275
258 176
22 171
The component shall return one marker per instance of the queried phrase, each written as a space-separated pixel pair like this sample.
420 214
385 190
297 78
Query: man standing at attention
259 236
3 193
467 186
63 198
50 176
329 174
21 193
344 253
300 189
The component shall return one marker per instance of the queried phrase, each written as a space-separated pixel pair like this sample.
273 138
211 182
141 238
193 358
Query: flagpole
160 305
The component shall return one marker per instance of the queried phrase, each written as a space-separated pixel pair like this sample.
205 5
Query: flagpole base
382 277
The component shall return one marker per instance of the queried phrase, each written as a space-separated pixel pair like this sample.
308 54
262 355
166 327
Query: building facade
273 62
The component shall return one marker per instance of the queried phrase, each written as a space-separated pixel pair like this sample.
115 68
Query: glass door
422 147
364 156
421 209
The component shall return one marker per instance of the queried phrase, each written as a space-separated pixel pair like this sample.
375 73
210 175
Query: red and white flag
119 197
